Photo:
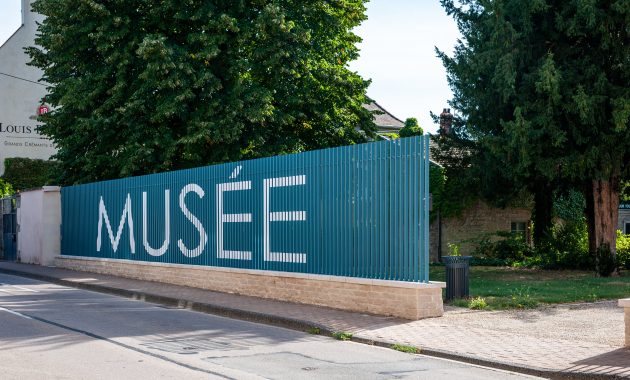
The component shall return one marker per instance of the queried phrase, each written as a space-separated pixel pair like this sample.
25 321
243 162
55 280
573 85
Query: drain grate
193 346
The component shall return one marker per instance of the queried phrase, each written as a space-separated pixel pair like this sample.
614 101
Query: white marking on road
20 287
15 313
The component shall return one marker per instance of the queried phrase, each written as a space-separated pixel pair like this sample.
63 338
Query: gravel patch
597 322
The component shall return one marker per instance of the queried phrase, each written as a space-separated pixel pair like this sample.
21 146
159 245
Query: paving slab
563 341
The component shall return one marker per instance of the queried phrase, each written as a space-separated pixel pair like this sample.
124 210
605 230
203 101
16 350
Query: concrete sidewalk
566 341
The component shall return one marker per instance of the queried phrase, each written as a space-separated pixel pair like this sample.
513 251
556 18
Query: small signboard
42 110
624 205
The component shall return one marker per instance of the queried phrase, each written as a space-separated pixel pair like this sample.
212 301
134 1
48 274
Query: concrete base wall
39 221
625 303
392 298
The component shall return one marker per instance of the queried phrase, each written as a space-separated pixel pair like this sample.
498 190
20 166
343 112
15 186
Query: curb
299 325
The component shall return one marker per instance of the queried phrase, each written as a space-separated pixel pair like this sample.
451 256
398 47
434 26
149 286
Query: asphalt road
49 331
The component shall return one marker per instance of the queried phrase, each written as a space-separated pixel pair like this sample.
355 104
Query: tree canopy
411 128
139 86
542 88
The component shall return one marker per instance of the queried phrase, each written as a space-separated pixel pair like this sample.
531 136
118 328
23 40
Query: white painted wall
19 99
39 225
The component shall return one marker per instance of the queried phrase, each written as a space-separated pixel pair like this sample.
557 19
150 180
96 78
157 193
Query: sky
10 18
397 54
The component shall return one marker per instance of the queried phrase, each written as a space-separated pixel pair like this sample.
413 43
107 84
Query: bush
606 263
623 250
478 303
567 248
507 249
489 262
5 188
27 173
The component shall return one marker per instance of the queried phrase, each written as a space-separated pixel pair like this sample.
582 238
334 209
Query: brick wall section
392 298
474 222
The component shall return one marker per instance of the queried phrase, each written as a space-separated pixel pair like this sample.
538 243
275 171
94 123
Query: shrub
5 188
623 250
606 263
489 262
567 248
507 249
478 303
26 173
512 246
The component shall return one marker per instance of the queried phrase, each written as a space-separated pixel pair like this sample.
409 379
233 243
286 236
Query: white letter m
102 215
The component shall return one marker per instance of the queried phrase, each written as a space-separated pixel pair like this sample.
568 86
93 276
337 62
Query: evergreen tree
139 86
542 87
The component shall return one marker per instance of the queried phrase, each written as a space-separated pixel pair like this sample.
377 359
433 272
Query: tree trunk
605 213
543 210
590 217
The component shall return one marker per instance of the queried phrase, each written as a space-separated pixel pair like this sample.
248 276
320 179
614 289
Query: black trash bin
457 269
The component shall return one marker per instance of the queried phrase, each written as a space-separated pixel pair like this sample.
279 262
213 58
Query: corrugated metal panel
359 211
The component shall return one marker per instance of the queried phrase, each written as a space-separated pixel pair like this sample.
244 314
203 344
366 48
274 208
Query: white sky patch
398 54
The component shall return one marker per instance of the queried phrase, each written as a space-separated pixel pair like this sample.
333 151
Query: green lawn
504 288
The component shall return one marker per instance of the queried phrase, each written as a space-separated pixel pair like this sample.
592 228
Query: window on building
519 228
626 228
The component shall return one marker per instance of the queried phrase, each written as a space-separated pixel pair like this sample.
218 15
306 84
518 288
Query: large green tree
141 86
542 87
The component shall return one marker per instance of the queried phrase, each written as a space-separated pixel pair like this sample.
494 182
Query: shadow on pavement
615 362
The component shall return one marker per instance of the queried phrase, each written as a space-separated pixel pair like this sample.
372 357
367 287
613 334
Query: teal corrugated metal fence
358 211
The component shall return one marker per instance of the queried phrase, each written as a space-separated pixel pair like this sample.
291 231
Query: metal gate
8 209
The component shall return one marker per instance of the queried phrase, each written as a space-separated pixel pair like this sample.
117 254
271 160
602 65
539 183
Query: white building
20 95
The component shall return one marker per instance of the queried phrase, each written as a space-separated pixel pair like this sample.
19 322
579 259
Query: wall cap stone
625 302
45 189
316 277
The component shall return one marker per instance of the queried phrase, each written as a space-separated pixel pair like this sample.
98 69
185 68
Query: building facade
385 122
624 218
21 96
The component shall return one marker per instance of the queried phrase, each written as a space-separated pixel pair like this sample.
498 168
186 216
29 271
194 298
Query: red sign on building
43 109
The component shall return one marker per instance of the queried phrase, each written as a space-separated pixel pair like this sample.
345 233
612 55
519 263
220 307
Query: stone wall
474 222
39 221
393 298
